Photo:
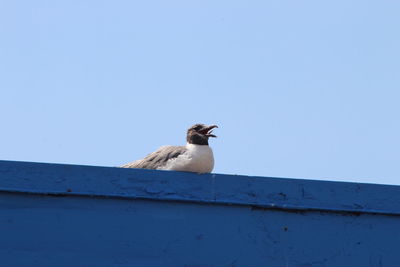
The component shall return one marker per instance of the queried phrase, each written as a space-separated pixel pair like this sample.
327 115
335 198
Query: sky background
299 89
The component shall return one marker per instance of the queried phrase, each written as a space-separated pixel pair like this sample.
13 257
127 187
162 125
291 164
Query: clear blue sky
301 89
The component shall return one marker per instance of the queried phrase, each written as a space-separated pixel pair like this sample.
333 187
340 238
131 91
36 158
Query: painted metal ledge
259 192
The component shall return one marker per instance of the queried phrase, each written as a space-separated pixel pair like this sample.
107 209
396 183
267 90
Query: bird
196 156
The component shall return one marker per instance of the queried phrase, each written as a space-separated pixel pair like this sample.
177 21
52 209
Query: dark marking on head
198 134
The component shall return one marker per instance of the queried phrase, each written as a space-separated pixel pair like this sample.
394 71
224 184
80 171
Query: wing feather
158 158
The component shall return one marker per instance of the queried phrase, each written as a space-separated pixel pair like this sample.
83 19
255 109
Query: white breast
197 158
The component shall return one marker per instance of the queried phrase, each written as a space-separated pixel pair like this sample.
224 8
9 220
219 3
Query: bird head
198 134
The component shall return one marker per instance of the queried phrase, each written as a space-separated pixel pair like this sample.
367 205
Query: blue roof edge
261 192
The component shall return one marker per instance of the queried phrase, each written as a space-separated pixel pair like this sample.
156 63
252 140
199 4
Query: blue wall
67 215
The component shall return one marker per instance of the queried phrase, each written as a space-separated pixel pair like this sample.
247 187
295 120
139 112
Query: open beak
208 131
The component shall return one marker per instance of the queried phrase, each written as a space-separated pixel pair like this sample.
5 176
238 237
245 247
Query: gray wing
158 158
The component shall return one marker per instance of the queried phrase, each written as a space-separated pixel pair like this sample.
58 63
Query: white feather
197 158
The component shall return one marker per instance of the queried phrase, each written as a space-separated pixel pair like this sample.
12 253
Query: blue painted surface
67 215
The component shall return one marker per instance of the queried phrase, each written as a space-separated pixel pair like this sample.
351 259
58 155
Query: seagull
196 156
